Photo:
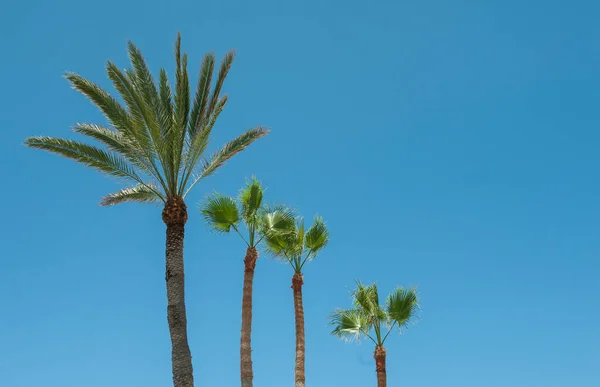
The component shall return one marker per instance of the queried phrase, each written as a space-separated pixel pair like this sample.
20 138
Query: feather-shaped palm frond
157 137
139 193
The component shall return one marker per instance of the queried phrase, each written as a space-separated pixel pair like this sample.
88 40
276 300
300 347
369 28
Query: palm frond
231 149
366 298
223 71
219 158
198 115
316 237
111 108
139 193
116 142
277 221
402 305
196 147
251 201
220 212
107 162
350 324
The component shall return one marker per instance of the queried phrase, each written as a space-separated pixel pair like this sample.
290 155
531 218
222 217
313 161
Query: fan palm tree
367 318
156 141
297 247
224 214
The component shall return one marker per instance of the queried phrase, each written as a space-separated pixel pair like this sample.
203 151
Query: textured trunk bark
380 366
299 375
175 215
246 336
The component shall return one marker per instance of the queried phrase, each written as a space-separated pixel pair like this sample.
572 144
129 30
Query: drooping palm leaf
139 193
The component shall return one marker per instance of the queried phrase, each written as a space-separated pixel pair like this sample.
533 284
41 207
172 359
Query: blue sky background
451 145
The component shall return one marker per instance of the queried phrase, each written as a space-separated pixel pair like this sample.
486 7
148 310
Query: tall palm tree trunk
380 366
299 375
175 216
245 342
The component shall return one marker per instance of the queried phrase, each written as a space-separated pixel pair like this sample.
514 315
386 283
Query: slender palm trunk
380 366
175 216
299 375
245 342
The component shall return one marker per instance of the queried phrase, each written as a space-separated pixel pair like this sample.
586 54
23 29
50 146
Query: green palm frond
316 237
350 324
231 149
402 306
111 108
199 111
221 212
366 298
223 71
251 201
139 193
107 162
277 221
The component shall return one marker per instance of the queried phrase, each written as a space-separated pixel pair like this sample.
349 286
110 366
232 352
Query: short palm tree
224 214
367 318
297 247
156 141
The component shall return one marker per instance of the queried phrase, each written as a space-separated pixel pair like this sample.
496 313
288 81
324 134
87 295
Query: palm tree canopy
298 245
223 213
157 139
367 318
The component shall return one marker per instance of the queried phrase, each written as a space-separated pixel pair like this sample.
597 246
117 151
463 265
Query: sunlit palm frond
402 305
223 71
316 237
250 199
350 324
231 149
366 298
199 111
111 108
139 193
107 162
277 221
221 212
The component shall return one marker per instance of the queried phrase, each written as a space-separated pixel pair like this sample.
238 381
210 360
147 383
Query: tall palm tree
224 214
367 318
297 247
156 141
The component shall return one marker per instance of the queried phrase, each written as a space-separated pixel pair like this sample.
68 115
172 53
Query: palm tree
367 318
224 214
156 142
297 247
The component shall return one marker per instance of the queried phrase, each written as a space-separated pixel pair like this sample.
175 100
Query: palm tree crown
298 246
156 140
367 318
224 213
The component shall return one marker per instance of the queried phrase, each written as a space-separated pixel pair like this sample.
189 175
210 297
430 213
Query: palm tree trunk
245 342
380 366
175 216
299 375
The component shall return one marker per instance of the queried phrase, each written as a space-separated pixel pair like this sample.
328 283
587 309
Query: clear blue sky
451 145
